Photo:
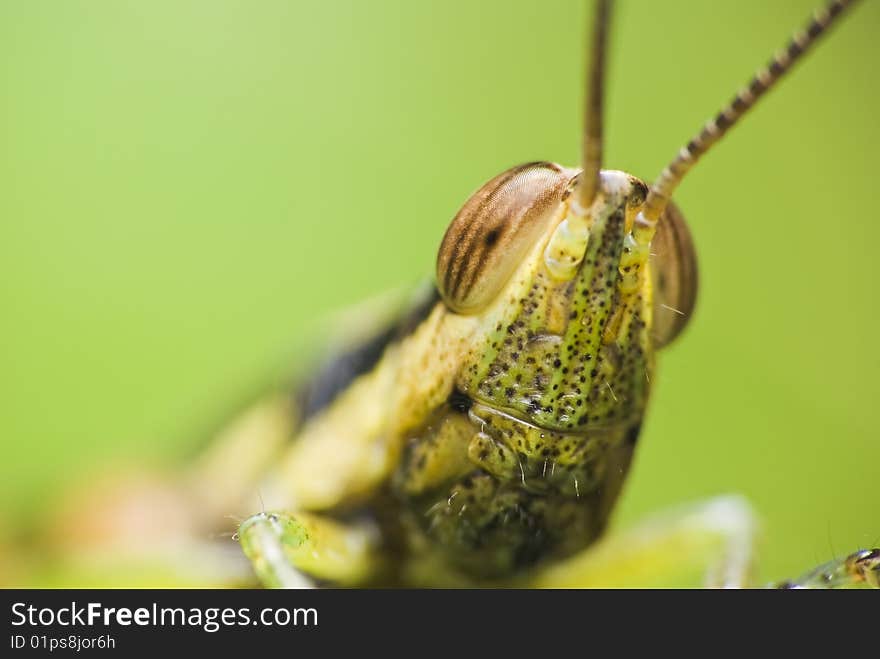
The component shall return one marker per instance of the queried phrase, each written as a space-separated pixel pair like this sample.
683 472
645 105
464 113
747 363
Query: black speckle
632 435
460 402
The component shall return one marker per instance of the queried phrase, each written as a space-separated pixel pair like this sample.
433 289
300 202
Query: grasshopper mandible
483 439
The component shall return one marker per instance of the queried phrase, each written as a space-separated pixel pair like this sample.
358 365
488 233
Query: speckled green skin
527 468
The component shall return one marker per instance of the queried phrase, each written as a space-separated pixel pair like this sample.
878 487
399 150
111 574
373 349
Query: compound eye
674 264
493 232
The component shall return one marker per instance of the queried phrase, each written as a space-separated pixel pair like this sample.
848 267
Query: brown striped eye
494 230
674 263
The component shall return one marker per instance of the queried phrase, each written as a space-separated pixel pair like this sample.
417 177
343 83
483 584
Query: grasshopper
483 437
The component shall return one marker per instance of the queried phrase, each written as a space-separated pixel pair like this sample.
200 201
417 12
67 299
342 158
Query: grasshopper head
565 298
575 278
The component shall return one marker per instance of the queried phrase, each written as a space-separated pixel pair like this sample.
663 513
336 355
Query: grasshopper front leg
291 551
715 537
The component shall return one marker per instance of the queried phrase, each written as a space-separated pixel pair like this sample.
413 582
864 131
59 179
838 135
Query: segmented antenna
714 129
594 86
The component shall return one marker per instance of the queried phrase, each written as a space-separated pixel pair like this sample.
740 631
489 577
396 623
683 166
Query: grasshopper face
566 341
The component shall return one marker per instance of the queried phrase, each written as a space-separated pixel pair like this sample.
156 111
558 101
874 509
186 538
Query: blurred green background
186 187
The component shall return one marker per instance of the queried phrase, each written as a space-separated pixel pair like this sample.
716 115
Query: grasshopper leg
715 537
295 551
858 570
